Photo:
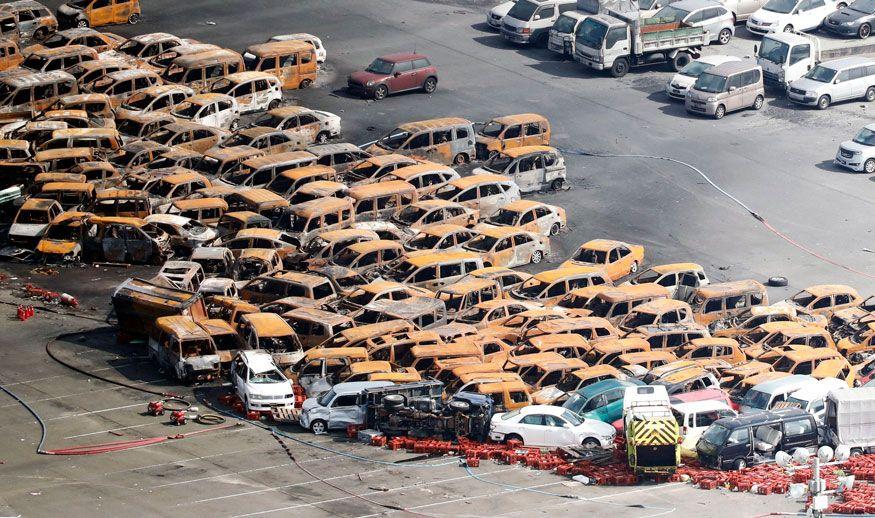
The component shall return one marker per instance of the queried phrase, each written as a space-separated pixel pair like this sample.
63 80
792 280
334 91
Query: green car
602 401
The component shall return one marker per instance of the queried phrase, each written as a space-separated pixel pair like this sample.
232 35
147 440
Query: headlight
370 83
712 99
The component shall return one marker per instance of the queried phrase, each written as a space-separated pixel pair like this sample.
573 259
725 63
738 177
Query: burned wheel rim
82 24
537 256
788 28
322 137
460 159
134 19
554 230
634 267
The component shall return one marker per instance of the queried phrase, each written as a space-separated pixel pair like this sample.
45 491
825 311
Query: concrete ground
778 161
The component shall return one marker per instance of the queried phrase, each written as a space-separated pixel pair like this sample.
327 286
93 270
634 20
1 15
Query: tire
513 437
554 230
620 67
680 60
758 102
634 268
134 19
82 24
460 159
380 93
724 37
823 102
864 31
235 124
870 94
788 28
739 464
273 105
322 137
430 85
319 427
537 257
869 166
856 452
305 84
720 112
840 6
591 443
557 184
778 282
40 34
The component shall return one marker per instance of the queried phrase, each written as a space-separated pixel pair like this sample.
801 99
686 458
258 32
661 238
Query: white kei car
792 15
259 383
211 109
552 427
858 154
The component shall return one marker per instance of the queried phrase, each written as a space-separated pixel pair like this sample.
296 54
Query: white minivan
766 394
529 21
695 417
792 15
259 383
836 80
562 33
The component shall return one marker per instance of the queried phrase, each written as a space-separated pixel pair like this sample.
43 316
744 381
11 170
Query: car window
420 63
442 136
696 17
799 53
858 72
615 35
403 66
798 427
533 128
512 131
345 401
547 12
844 75
534 419
419 141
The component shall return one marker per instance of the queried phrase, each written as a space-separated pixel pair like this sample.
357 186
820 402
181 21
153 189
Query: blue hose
43 431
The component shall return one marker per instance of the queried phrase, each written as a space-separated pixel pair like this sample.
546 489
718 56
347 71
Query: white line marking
94 412
232 473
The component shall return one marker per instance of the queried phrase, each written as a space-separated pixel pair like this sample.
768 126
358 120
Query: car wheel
40 34
724 37
234 125
681 59
318 427
758 102
788 28
719 112
82 24
620 67
430 85
554 230
870 94
739 464
381 92
322 137
869 166
305 84
537 256
840 6
864 31
134 19
513 437
557 184
460 159
823 102
634 267
274 104
590 443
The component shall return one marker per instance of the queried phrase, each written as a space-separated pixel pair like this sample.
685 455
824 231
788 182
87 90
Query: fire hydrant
177 417
155 408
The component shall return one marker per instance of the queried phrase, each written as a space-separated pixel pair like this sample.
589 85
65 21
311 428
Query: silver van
726 88
764 395
341 406
837 80
530 21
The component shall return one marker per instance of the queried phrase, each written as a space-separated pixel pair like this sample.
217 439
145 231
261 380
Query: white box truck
850 419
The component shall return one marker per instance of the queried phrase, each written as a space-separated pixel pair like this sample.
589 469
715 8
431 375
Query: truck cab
786 56
561 38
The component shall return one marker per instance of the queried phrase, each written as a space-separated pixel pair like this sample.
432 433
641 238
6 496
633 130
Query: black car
856 19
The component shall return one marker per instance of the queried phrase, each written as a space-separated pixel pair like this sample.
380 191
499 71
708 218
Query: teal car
602 401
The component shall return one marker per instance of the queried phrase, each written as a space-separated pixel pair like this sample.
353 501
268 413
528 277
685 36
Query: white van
765 395
695 417
836 80
529 21
812 398
562 33
341 406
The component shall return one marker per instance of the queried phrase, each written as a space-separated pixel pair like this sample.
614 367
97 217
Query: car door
27 22
491 198
503 252
533 134
843 86
799 433
207 115
800 61
532 429
121 10
404 76
558 432
245 97
345 410
260 94
308 126
512 137
101 13
523 248
810 14
441 149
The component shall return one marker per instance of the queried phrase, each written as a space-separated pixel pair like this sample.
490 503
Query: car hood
362 77
848 15
850 145
68 10
310 404
682 80
202 363
763 16
51 246
27 229
595 426
501 9
272 389
808 84
513 22
547 395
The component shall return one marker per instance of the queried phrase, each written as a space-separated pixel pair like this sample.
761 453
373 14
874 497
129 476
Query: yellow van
727 299
199 71
292 61
379 201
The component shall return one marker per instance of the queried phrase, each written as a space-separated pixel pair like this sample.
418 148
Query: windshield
774 51
821 74
575 403
161 189
424 242
380 66
56 41
865 137
571 418
636 319
326 398
34 62
138 102
270 121
186 110
222 86
565 24
756 399
803 299
585 255
481 244
499 163
346 257
79 4
32 217
531 289
504 217
394 139
802 403
710 83
361 297
671 14
715 434
271 376
448 193
598 307
646 277
473 315
863 6
591 33
63 232
695 68
780 6
410 214
492 129
131 48
523 10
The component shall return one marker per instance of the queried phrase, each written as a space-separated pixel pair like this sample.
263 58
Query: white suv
858 154
259 383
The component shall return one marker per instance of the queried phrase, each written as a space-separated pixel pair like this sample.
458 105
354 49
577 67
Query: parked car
728 87
321 54
212 109
550 426
841 79
790 15
533 168
259 383
529 21
317 126
711 16
682 81
602 401
695 417
337 408
394 73
858 154
854 20
495 15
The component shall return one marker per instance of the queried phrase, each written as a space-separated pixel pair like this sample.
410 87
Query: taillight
526 30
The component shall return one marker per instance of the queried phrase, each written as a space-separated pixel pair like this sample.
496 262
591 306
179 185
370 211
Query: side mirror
537 17
837 81
732 88
657 6
396 74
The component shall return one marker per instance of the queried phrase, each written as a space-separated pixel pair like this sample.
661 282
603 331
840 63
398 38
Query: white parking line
94 412
112 430
181 461
371 493
70 375
253 470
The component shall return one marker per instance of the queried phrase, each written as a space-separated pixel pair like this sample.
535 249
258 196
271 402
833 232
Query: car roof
733 67
846 62
258 360
699 406
543 409
402 56
691 5
354 387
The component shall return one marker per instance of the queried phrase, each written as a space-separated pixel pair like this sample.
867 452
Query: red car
394 73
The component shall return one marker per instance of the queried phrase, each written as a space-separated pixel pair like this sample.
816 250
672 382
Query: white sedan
792 15
551 427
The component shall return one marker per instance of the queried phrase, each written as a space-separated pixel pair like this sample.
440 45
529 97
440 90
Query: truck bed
673 39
